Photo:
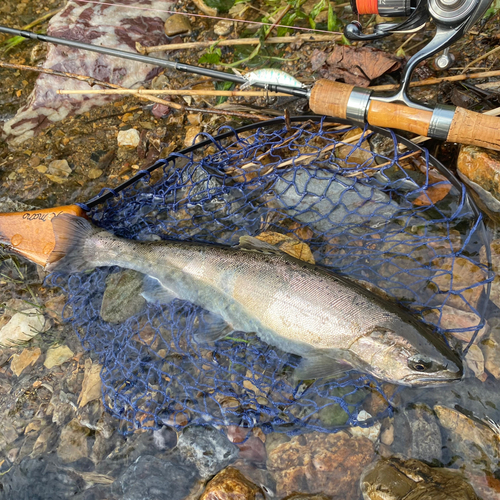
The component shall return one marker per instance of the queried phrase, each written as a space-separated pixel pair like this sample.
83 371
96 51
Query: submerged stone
122 297
320 463
207 448
396 479
230 484
150 478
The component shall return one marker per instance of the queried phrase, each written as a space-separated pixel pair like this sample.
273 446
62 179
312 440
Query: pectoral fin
319 366
211 327
155 292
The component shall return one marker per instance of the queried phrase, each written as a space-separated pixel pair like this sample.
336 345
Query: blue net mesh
388 218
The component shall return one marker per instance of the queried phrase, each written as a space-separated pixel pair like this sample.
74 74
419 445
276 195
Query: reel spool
453 18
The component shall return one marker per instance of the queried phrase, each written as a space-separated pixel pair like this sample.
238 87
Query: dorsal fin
252 244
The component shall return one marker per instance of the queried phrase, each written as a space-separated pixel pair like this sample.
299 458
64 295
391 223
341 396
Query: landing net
360 202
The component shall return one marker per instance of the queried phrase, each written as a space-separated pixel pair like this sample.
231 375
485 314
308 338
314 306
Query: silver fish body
299 308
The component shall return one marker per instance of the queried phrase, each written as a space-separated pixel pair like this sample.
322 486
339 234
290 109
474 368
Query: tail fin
70 253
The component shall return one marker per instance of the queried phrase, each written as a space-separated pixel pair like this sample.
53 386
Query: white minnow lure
271 76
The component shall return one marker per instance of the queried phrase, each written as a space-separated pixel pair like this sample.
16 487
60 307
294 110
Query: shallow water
56 437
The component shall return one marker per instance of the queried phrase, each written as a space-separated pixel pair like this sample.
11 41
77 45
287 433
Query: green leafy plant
220 5
223 86
494 8
211 56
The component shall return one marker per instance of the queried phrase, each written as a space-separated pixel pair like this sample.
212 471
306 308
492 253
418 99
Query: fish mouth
419 379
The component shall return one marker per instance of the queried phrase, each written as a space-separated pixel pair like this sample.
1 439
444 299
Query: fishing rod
358 104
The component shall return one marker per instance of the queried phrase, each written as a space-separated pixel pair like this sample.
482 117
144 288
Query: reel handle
448 123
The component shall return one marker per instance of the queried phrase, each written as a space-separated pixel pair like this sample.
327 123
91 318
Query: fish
332 322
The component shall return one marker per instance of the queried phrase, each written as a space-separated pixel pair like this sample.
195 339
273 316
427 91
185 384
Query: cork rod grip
476 129
330 98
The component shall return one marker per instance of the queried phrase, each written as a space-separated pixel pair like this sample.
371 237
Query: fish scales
312 308
299 308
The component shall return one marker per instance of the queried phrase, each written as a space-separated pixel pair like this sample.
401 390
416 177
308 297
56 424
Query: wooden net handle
30 233
467 127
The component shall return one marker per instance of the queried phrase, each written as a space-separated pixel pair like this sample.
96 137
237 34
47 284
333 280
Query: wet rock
45 441
306 496
91 386
475 361
491 348
55 178
231 484
60 168
128 138
387 434
94 173
73 442
253 450
122 297
352 155
454 320
152 479
495 264
316 200
319 463
34 426
40 478
54 306
461 277
372 433
481 166
8 432
57 356
251 447
194 118
395 479
484 199
207 448
20 362
262 477
165 438
487 486
27 447
22 326
160 110
223 28
475 442
190 135
9 205
103 446
417 434
177 24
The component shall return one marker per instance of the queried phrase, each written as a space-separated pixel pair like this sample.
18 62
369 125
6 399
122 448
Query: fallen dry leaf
289 245
353 65
26 358
439 185
91 385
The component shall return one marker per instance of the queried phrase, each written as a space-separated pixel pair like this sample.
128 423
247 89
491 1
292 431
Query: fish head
409 358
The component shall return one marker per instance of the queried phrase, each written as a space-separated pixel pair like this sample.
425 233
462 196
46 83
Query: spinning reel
452 18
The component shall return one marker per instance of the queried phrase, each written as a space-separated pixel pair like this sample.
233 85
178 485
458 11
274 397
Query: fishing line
260 23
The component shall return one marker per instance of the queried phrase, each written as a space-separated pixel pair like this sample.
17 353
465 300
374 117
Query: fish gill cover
390 219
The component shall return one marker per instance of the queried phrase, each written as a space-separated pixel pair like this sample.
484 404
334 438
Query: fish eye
420 363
